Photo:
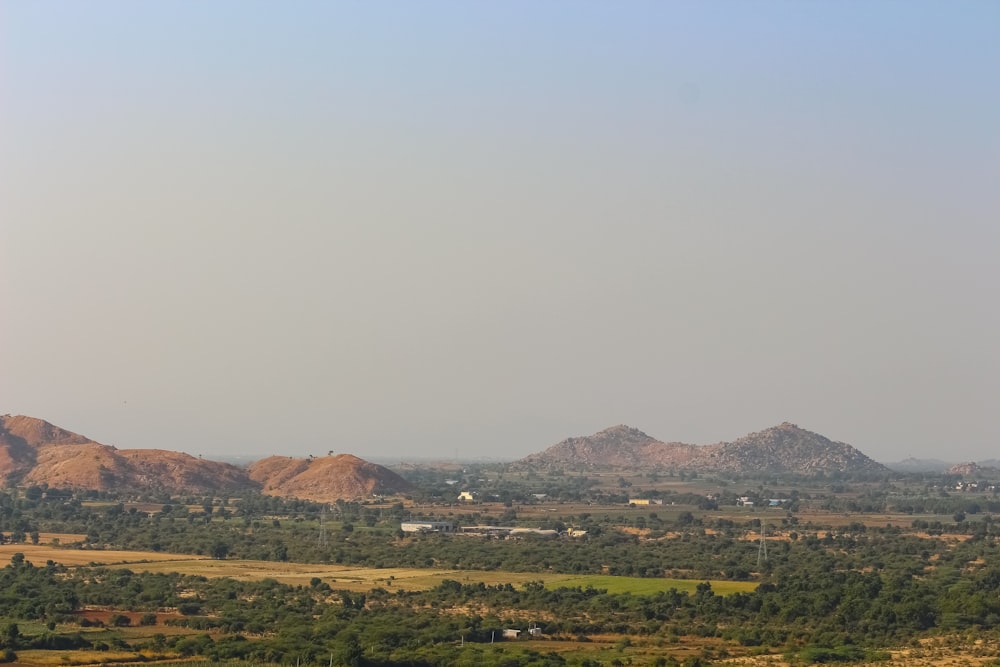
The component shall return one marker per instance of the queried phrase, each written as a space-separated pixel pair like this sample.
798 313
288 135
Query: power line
762 549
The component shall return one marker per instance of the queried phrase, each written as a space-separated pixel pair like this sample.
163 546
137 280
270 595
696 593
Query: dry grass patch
40 553
64 538
62 658
337 576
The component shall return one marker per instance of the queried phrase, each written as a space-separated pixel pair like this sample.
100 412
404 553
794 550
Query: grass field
645 586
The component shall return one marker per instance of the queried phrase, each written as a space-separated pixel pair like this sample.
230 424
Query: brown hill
37 432
20 439
786 448
326 478
173 471
781 449
90 466
973 469
617 447
103 468
33 451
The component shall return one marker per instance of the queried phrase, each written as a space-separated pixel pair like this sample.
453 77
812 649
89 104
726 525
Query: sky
471 230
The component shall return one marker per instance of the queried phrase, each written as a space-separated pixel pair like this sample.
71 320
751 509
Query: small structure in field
427 527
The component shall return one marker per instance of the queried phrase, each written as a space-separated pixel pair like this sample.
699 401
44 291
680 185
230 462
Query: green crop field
644 586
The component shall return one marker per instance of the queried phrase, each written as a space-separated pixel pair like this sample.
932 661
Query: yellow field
39 554
62 658
344 577
940 658
64 538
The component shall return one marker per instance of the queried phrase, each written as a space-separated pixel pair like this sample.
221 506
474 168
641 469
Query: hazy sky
406 229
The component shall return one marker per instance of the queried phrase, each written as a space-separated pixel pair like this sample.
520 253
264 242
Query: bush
189 608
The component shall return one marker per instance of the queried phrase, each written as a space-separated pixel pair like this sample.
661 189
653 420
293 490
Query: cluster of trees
829 593
865 593
266 528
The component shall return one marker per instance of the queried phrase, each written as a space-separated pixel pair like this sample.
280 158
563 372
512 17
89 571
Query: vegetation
838 584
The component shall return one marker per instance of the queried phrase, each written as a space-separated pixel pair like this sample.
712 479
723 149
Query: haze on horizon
474 229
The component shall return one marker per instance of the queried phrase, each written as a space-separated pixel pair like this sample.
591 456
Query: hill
785 448
618 447
326 478
35 452
20 440
973 469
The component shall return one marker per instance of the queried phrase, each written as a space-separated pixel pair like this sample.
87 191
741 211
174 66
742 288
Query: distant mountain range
785 448
35 452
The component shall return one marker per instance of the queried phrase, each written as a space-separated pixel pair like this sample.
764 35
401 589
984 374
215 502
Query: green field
644 586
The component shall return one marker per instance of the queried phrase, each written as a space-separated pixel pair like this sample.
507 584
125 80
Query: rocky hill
785 448
973 469
35 452
326 478
618 447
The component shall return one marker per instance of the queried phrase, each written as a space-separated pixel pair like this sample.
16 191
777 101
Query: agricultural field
356 579
39 554
853 573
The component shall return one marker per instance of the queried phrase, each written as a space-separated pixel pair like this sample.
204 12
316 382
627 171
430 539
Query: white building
428 527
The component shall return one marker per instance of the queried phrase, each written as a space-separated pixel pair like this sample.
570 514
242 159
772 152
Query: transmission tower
322 528
762 550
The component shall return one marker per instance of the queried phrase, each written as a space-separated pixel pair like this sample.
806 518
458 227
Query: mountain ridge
36 452
785 448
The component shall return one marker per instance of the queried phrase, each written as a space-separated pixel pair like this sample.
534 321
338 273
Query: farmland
356 579
848 575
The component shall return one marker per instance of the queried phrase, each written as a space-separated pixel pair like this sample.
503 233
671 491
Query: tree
220 550
11 635
351 653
